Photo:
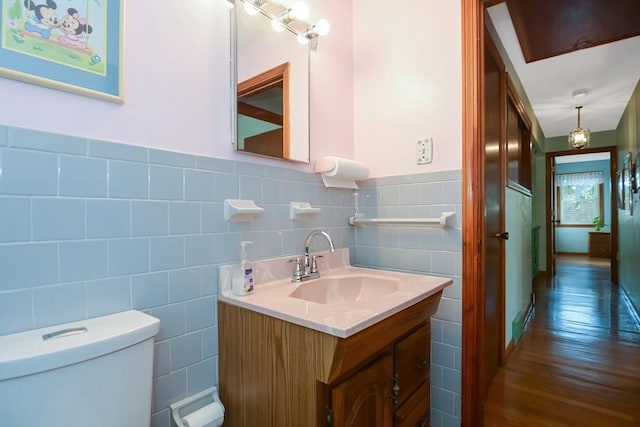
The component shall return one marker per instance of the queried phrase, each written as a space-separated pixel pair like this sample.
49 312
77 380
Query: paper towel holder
186 406
338 172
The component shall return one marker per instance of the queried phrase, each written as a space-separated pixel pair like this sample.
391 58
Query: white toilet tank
91 373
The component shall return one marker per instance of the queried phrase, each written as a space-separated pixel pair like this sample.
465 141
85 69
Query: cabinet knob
421 364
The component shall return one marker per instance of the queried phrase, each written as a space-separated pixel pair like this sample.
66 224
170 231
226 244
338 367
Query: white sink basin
345 289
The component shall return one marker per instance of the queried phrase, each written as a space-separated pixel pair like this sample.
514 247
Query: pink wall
331 91
407 84
177 85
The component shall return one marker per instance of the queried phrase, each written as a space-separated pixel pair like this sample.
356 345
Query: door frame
613 167
473 227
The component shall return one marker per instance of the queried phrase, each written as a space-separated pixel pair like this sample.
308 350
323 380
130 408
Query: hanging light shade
578 138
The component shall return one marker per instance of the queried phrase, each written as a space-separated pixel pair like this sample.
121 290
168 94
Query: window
579 198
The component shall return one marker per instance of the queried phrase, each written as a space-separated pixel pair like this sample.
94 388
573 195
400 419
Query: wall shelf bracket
301 210
241 210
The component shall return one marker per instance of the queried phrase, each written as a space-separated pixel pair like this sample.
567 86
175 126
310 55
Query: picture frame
636 173
628 192
620 188
70 45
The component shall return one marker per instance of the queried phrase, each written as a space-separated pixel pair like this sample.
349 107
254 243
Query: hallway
578 361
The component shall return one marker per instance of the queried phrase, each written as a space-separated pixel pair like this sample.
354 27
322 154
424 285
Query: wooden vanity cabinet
363 400
275 373
412 370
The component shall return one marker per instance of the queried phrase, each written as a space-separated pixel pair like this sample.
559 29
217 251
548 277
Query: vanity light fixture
253 7
299 11
277 26
578 138
321 28
291 19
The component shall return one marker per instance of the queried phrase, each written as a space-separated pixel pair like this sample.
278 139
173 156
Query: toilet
90 373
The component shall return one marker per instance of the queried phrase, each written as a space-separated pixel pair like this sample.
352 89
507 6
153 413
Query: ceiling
609 72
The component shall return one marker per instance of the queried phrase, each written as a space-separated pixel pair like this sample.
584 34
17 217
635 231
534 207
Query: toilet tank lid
27 353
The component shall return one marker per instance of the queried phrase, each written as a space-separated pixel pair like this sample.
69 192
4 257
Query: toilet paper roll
211 415
341 173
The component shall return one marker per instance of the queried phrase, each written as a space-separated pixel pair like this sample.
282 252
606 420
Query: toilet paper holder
191 404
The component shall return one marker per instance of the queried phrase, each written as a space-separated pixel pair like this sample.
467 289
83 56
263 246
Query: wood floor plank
578 361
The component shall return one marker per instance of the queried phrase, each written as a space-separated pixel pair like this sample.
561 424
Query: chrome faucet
307 268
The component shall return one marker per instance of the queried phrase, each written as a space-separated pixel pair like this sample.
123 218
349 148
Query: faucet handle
297 269
298 262
314 266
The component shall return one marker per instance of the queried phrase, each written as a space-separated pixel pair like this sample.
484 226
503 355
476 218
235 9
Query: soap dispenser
242 279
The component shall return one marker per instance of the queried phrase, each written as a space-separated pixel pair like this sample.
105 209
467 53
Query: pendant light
578 138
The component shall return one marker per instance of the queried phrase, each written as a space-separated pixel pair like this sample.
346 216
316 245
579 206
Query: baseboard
573 253
630 306
508 351
527 318
530 312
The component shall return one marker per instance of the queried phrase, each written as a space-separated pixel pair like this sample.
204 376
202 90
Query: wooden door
494 188
364 400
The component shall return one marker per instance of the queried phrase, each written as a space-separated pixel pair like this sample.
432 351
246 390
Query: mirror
263 102
272 76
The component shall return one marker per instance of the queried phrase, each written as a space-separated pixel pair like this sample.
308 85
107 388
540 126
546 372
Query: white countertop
273 287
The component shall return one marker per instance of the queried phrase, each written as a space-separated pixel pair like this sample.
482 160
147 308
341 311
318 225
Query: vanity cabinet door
364 400
415 412
413 362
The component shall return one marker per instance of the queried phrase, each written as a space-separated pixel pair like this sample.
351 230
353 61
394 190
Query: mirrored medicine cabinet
272 89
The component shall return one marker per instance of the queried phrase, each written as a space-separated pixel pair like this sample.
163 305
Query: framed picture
628 192
636 174
620 188
70 45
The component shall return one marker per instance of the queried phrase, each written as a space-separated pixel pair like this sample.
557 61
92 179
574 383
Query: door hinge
395 389
329 417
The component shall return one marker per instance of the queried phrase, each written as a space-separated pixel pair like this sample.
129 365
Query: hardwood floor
578 361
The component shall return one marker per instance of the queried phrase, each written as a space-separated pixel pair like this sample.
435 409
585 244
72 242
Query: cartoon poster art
73 45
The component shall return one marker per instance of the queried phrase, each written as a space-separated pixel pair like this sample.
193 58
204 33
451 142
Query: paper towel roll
341 173
211 415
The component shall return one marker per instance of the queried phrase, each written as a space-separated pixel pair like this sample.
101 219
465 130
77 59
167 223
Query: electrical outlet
424 151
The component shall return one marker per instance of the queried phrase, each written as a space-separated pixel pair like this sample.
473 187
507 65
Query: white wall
407 83
518 280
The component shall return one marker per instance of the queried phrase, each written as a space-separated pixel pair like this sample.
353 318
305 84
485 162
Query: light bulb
277 25
250 9
299 11
302 39
322 27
